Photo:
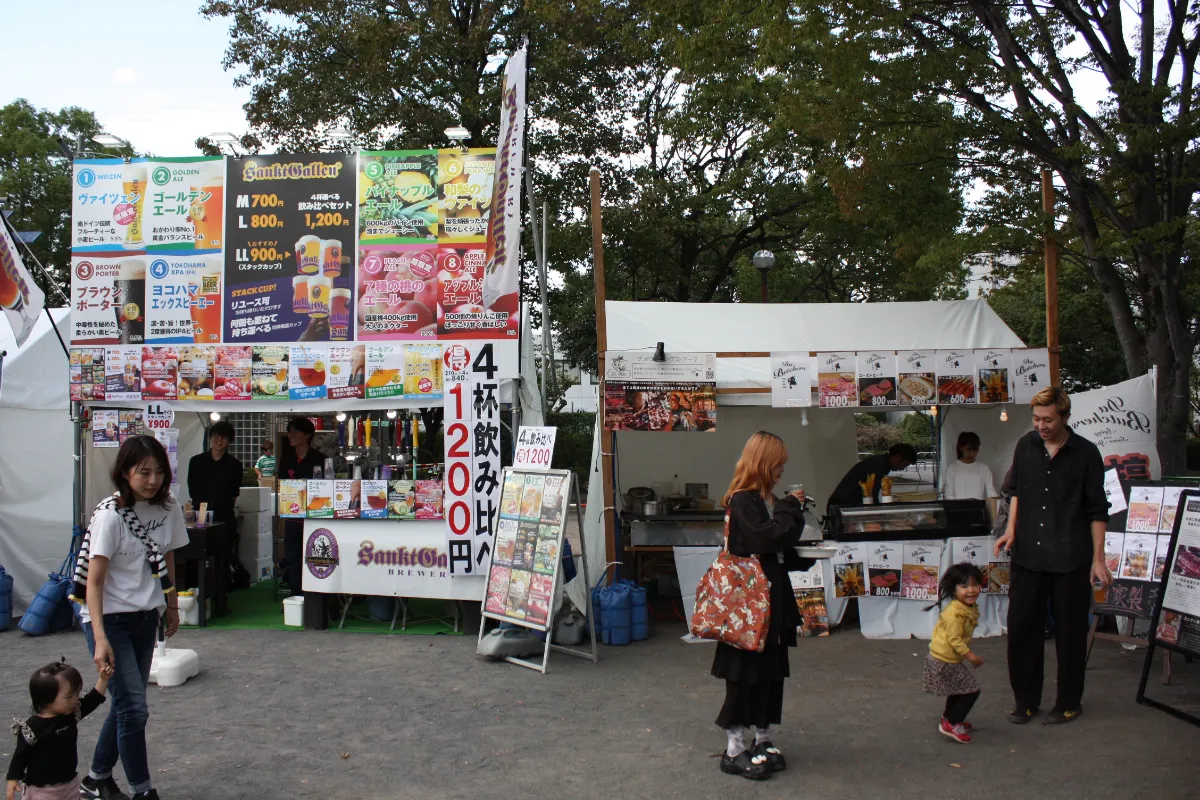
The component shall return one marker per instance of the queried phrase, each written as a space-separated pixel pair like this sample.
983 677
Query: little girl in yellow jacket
945 673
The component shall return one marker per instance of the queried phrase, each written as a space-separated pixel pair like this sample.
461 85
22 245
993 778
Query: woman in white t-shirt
127 568
968 478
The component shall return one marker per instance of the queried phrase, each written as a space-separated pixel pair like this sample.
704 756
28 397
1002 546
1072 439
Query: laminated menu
545 556
347 370
525 551
510 498
808 587
506 542
402 499
496 599
975 551
123 373
105 427
921 570
160 373
917 378
849 570
1145 509
553 500
1137 556
385 371
883 567
87 373
1113 546
994 379
956 377
196 372
837 385
429 499
293 497
307 366
1162 551
876 379
423 371
999 569
1170 504
320 499
347 499
269 372
541 594
374 499
232 373
531 499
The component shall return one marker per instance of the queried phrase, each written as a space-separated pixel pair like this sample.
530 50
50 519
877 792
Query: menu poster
291 219
999 569
292 498
105 427
849 570
993 381
129 423
553 499
269 372
974 551
1162 551
397 291
196 372
955 377
1030 373
183 299
397 196
518 594
108 300
883 568
791 380
496 599
160 373
524 553
546 555
1137 556
1170 504
169 439
385 371
429 499
374 499
232 373
1115 494
1179 621
402 499
917 377
531 499
836 386
808 587
1114 544
320 499
660 406
88 373
876 379
306 372
346 371
1145 509
506 541
541 594
347 499
123 373
423 371
921 570
465 193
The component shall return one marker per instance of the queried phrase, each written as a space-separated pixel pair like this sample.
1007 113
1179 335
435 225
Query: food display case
940 519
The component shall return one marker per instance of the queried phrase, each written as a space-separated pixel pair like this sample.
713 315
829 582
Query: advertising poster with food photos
956 377
917 377
837 386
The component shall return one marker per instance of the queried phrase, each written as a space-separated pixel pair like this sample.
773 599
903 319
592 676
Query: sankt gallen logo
374 170
86 177
161 176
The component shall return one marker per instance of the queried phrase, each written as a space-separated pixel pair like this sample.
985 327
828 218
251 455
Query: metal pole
1050 246
763 273
608 514
539 257
545 302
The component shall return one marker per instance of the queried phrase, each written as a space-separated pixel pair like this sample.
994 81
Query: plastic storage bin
6 595
293 612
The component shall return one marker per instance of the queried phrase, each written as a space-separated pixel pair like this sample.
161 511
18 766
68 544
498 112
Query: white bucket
189 612
293 612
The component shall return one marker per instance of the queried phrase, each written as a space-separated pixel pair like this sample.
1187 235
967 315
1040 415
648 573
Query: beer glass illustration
331 257
206 303
308 255
339 315
133 184
319 290
207 213
131 300
300 294
130 377
12 293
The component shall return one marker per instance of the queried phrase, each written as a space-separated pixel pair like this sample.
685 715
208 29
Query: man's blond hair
1053 396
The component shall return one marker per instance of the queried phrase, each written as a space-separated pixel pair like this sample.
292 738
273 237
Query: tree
1129 164
35 176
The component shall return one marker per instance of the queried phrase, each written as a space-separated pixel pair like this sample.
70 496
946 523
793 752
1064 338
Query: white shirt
968 482
129 585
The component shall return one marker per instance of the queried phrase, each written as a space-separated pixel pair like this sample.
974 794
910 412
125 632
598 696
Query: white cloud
124 75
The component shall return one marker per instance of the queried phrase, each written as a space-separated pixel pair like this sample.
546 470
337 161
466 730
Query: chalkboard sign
1130 598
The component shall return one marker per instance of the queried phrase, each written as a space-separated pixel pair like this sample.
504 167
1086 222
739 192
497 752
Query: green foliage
916 429
573 444
874 435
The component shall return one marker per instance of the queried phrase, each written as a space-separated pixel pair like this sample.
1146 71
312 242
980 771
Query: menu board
526 559
993 375
123 373
849 570
1145 509
836 380
106 427
883 568
921 570
660 406
877 377
290 218
916 377
1179 619
999 571
955 377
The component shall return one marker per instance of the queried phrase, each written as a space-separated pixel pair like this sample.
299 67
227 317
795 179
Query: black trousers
958 706
1069 596
293 553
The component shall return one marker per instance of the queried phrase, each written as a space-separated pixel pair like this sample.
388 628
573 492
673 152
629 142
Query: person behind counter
215 478
300 432
768 529
849 493
968 478
264 467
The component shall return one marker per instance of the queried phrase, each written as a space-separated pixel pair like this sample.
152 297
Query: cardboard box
254 546
260 569
256 523
254 499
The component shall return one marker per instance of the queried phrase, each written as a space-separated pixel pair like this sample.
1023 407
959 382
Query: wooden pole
1051 256
607 438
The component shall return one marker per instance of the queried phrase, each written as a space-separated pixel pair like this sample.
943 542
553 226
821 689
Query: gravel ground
329 715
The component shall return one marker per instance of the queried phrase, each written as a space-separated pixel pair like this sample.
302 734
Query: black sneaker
1020 716
775 760
1057 717
747 764
105 789
151 794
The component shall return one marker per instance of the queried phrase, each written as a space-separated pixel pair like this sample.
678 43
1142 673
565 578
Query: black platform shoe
747 764
775 760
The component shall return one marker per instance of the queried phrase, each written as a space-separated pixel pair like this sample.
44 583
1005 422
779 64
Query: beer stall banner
502 248
20 297
146 243
791 380
1120 420
288 278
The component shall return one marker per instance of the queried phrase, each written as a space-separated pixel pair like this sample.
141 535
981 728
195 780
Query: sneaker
775 760
1019 716
105 789
1057 717
956 732
966 725
149 794
746 764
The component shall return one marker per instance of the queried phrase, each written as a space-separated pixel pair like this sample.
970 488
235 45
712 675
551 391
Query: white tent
36 461
821 452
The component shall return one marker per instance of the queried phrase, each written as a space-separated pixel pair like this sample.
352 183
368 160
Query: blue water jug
639 626
615 611
6 594
40 615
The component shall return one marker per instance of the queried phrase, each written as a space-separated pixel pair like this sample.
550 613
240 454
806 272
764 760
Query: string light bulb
341 416
391 414
933 411
804 417
1004 414
215 416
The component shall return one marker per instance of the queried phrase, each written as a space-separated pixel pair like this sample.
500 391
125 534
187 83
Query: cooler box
251 523
260 569
252 546
254 499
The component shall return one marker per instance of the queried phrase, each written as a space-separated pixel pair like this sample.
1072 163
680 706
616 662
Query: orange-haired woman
770 529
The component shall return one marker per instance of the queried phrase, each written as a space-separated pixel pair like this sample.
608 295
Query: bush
917 429
873 435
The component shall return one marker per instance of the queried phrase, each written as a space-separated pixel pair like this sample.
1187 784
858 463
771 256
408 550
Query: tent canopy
36 375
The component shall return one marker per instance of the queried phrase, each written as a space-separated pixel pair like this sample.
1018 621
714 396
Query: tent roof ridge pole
606 472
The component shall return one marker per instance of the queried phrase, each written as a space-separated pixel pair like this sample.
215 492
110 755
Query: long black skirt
753 685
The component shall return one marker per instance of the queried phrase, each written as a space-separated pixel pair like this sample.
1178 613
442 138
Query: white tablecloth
879 617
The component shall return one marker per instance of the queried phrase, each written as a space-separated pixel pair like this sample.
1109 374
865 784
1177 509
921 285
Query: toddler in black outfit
46 758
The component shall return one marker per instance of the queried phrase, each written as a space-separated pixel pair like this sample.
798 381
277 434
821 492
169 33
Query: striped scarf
154 559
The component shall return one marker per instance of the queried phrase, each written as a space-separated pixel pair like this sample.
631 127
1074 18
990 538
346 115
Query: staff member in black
300 433
215 477
849 493
1056 523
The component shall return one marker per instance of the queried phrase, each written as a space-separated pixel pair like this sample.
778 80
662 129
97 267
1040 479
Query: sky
150 69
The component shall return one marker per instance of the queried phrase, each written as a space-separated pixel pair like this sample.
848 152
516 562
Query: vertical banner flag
20 297
460 494
501 268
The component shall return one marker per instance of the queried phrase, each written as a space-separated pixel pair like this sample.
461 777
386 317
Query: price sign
535 447
158 417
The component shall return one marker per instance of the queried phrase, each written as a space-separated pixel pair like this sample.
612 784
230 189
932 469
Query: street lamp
764 262
459 136
108 140
223 139
340 136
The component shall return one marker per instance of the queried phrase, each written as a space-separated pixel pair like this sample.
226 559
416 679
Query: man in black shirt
300 432
215 478
1056 523
849 493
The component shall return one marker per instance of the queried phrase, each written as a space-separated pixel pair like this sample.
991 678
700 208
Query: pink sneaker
956 732
966 725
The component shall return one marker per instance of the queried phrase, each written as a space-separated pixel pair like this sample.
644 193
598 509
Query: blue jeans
132 637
